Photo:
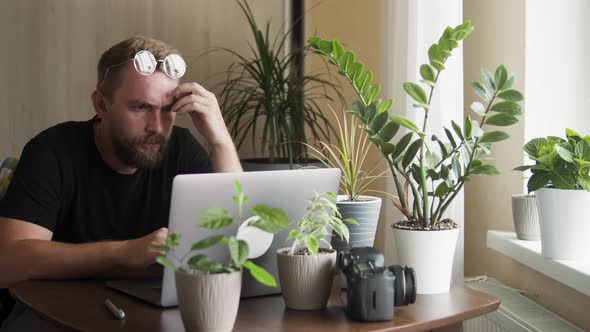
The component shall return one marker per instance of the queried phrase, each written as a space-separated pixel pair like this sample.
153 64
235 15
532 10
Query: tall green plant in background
264 97
434 173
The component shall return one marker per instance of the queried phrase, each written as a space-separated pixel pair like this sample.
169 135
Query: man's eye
140 108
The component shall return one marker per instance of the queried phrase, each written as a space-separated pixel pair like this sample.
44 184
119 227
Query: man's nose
154 122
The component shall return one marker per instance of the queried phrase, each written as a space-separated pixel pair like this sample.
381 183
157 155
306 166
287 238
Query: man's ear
99 102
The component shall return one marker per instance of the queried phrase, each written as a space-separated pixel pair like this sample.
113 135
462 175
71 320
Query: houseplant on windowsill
428 177
306 271
268 102
209 292
561 181
350 156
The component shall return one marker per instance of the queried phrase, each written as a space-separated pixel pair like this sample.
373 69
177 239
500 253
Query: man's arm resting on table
27 252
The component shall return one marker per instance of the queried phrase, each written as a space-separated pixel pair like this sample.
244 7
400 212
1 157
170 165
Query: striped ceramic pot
366 212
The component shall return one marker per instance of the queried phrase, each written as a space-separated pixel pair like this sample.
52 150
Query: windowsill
575 274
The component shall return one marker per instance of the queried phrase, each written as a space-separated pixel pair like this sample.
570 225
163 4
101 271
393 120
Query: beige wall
499 37
50 50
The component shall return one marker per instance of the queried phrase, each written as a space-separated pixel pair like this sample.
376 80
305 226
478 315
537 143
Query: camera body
373 289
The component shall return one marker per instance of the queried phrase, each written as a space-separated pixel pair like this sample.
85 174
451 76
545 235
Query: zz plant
434 173
561 163
313 227
268 219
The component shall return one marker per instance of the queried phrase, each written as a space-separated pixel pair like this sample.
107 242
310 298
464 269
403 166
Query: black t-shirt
63 184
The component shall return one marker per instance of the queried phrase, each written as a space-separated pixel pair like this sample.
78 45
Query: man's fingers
190 88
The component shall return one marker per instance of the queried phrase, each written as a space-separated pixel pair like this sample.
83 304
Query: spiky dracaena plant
434 173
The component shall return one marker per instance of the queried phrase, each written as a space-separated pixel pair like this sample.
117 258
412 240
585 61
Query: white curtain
410 27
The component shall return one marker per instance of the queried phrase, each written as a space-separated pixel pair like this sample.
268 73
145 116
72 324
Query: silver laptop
191 194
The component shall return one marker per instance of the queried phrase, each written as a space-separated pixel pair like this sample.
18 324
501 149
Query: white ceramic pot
525 217
306 280
430 254
564 220
366 212
208 302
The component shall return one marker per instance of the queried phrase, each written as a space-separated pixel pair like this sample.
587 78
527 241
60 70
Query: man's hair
111 61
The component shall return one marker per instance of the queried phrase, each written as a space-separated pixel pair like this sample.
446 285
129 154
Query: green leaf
538 181
384 106
500 77
450 137
533 147
522 168
457 129
337 49
271 220
510 95
427 72
437 64
494 136
563 179
325 46
441 190
292 234
172 239
388 131
379 121
564 154
386 148
371 112
508 107
372 93
415 91
166 263
485 169
234 250
410 153
359 108
487 79
582 151
260 274
501 119
312 245
481 91
407 124
467 127
215 218
401 145
206 243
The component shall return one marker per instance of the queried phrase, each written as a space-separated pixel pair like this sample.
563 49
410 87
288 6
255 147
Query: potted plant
561 181
306 271
350 156
208 291
268 101
428 176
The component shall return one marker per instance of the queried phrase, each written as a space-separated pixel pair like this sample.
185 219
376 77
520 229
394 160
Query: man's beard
129 151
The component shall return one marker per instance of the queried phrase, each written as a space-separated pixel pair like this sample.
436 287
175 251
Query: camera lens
405 285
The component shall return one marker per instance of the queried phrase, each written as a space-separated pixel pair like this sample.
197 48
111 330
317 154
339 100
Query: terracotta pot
208 302
306 280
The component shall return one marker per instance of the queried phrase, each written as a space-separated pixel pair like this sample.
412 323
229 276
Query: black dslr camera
373 289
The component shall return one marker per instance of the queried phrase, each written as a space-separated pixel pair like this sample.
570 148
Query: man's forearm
224 158
43 259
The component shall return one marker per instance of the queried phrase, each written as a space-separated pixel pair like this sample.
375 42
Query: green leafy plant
350 156
267 218
434 173
313 227
561 163
266 97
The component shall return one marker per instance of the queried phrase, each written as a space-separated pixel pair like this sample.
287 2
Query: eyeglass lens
145 63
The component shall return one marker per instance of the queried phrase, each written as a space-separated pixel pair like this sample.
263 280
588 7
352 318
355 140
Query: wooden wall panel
50 49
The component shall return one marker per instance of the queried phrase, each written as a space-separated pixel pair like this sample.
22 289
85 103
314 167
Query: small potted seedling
306 271
208 291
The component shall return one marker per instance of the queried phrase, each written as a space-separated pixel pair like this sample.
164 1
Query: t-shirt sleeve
194 158
34 191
